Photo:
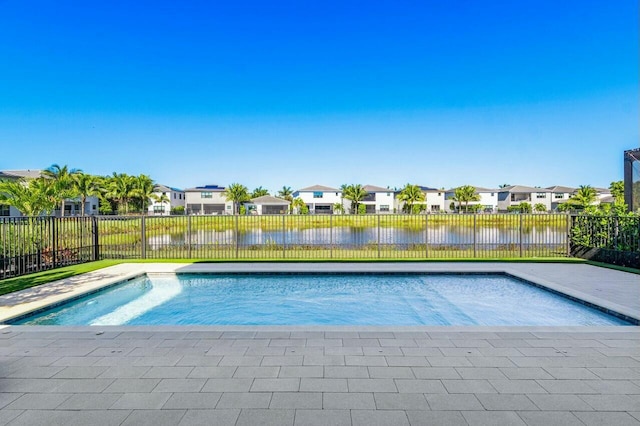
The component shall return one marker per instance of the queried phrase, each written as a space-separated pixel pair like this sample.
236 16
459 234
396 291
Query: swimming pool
329 299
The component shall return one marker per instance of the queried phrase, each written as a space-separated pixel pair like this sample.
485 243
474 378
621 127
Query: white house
433 200
560 195
488 199
72 206
515 194
320 199
379 199
267 204
166 199
207 199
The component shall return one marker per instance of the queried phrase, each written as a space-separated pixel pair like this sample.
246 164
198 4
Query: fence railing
30 244
35 244
609 239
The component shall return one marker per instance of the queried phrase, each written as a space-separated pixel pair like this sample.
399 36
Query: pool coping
28 301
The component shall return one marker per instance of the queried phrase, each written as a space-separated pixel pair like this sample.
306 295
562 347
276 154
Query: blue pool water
324 299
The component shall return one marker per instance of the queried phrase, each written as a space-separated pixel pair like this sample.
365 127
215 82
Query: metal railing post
143 235
237 237
331 236
568 233
521 232
96 238
475 238
189 237
54 240
378 217
426 236
284 237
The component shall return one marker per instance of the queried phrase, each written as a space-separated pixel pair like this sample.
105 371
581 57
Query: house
379 199
207 199
72 206
514 195
433 200
560 195
602 193
267 204
320 199
488 199
166 199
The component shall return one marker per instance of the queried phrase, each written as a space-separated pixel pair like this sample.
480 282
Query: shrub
177 211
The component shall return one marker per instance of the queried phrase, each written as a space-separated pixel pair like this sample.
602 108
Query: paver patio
328 375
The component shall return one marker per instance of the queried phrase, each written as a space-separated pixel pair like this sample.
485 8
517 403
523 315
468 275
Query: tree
617 191
164 198
236 193
259 192
411 195
465 194
338 207
32 198
62 178
85 185
142 191
286 192
504 185
525 207
299 204
540 208
583 197
120 188
354 193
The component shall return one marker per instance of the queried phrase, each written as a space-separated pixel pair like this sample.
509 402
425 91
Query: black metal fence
609 239
30 244
35 244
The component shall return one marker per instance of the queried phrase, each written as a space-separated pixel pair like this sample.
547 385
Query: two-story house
319 199
207 199
559 195
379 199
516 194
166 198
488 199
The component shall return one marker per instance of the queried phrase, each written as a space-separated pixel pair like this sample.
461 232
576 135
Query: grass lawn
19 283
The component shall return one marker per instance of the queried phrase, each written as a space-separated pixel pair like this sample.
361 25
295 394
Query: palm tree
162 198
63 182
121 190
32 198
236 193
142 191
465 194
410 195
259 192
354 193
298 203
540 208
287 193
84 186
583 197
338 207
504 185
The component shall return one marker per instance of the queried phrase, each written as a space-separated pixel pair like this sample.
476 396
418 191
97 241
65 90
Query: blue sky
297 93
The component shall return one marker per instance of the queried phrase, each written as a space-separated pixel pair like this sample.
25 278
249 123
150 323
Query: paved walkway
319 376
326 375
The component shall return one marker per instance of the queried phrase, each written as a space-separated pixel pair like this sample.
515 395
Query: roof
164 188
209 188
318 188
602 190
428 189
269 200
607 200
560 189
522 189
373 188
477 188
20 174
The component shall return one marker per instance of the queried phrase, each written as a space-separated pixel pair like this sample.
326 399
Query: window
317 195
158 208
388 194
493 194
4 210
558 196
229 207
541 195
174 195
206 195
435 208
384 207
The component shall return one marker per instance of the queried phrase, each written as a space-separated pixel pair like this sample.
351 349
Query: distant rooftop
210 188
373 188
522 189
20 174
560 189
269 200
164 188
318 188
477 188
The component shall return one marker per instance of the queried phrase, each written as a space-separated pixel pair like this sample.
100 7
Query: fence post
426 236
616 229
475 239
237 236
284 238
189 236
378 217
96 238
520 232
569 223
331 236
54 240
143 235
